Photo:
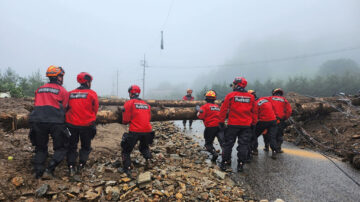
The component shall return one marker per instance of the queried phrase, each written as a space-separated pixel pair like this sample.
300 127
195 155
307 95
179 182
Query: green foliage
18 86
339 67
328 85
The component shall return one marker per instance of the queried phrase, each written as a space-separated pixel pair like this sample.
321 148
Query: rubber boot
266 148
127 171
214 156
255 152
72 171
240 167
38 174
49 172
273 154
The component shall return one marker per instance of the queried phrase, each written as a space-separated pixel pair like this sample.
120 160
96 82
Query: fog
205 41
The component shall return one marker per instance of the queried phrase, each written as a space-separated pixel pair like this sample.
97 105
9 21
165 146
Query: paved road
297 174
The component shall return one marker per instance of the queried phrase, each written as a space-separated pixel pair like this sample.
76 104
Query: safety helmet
240 81
83 77
252 92
134 89
211 94
189 91
54 71
278 91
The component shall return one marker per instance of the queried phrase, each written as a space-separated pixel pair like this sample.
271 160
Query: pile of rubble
179 172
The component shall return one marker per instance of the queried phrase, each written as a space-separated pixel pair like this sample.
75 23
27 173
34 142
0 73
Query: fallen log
306 110
154 103
10 122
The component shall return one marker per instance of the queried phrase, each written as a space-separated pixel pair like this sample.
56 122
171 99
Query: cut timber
306 110
155 103
15 121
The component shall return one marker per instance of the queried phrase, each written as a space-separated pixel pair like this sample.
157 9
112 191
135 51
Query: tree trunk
16 121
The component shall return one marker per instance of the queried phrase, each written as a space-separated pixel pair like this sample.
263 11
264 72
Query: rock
74 190
264 200
17 181
204 196
163 172
279 200
125 179
110 183
101 168
112 193
144 178
179 196
42 190
175 156
219 174
157 192
30 200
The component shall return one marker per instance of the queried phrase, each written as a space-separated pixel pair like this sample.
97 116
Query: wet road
297 174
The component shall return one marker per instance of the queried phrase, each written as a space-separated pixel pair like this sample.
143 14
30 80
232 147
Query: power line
167 17
275 60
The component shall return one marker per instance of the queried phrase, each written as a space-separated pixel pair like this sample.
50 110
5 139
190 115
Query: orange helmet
54 71
252 92
189 91
211 94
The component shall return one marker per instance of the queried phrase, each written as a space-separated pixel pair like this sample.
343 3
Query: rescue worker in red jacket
137 113
48 117
266 120
239 106
209 113
283 112
188 97
80 120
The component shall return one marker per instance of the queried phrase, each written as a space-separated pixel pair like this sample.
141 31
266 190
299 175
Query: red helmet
240 81
83 77
134 89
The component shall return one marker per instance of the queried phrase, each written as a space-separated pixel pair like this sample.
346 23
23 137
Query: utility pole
143 62
117 83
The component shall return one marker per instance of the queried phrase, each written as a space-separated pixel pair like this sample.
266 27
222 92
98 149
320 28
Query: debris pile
179 171
331 125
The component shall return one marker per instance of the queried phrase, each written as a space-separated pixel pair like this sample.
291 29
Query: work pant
271 127
209 135
128 143
40 140
266 138
243 134
85 135
280 133
190 122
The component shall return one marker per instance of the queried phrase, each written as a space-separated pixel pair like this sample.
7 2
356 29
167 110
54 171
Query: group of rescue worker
247 118
70 117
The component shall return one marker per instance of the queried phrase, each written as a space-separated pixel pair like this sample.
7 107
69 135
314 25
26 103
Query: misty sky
101 37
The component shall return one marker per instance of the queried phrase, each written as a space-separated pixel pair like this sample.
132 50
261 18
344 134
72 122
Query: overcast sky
103 37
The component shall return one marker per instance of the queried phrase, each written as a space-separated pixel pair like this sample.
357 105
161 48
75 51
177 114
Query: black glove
197 108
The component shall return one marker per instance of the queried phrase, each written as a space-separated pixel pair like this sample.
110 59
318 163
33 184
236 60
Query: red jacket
188 98
282 107
240 107
210 114
51 101
83 106
138 114
264 110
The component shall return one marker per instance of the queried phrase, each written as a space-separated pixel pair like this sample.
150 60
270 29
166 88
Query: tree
339 67
9 83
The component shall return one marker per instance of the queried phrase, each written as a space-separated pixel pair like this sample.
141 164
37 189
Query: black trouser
85 135
267 139
280 133
41 133
190 122
271 127
243 133
128 143
209 135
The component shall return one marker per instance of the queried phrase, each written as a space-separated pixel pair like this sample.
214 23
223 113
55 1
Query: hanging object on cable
162 40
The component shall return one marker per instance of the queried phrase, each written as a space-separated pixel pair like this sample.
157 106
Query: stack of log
165 110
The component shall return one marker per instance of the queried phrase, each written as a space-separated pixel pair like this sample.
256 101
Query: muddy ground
180 170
